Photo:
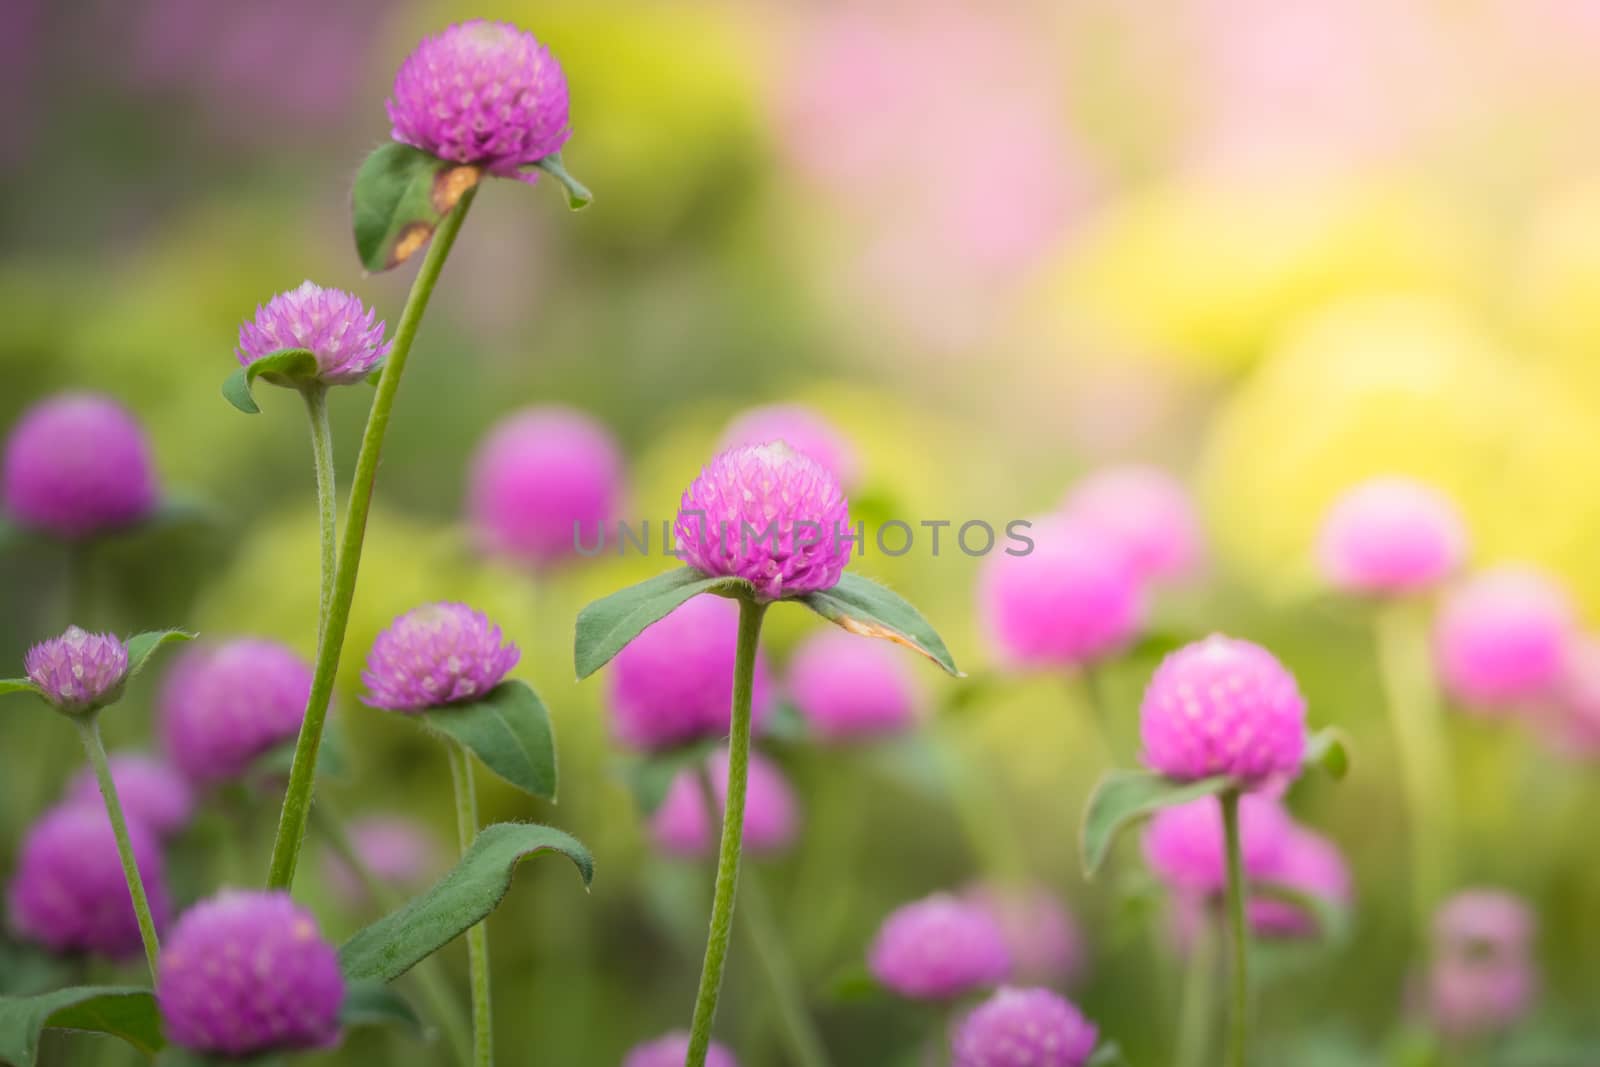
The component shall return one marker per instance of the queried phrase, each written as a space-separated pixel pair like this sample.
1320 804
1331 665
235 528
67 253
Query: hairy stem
477 936
89 730
302 774
1239 931
727 884
316 397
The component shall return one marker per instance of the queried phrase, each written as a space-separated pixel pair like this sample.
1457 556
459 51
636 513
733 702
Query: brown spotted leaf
400 197
864 607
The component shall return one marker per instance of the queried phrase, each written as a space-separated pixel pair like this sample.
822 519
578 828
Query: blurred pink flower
681 827
1501 638
1149 513
1391 535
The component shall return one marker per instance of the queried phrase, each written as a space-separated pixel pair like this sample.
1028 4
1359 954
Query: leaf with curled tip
864 607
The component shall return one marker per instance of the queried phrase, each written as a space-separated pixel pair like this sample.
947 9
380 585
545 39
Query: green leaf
120 1011
1108 1055
607 625
864 607
1123 798
460 900
292 367
509 730
142 646
1329 749
578 195
400 197
651 776
370 1003
19 685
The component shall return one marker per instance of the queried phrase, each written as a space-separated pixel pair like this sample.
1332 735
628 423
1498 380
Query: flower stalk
316 398
94 748
1239 931
466 796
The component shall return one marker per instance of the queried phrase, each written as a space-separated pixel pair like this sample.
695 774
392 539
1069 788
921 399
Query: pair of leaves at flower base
372 958
140 648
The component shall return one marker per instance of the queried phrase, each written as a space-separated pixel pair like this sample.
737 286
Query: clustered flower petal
77 466
151 791
397 851
341 331
849 687
224 707
674 682
248 972
681 826
1027 1027
938 948
1483 977
1041 935
672 1051
802 430
1073 599
482 93
1148 513
78 671
1185 846
770 515
68 891
1501 638
543 479
1390 536
1223 706
435 655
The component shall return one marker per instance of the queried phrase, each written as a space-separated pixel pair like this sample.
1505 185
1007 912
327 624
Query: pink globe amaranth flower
1185 845
77 466
1311 864
542 479
770 515
436 655
1501 638
1027 1027
1074 599
680 826
939 948
248 972
152 792
674 682
482 93
68 892
1482 978
341 331
1223 706
802 430
223 707
396 850
1570 723
850 687
672 1051
1148 513
78 671
1043 939
1391 536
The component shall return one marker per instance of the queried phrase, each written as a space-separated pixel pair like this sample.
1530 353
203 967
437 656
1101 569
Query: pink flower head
1571 724
1073 599
78 671
542 479
248 972
1148 513
849 687
435 655
1223 706
1501 638
68 892
152 792
397 851
335 326
1023 1028
1310 864
77 466
770 515
1186 848
672 1051
1391 536
1043 939
482 93
771 818
1482 978
939 948
674 682
802 430
224 707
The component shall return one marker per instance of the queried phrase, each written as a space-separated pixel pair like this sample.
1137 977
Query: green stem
477 936
1196 1008
1239 1028
727 885
1404 665
89 730
435 989
316 397
302 774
